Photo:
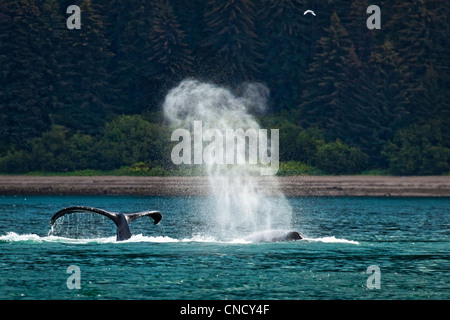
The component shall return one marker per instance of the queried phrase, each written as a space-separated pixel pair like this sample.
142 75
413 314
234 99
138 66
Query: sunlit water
182 257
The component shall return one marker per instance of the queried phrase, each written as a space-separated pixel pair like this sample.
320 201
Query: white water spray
82 226
242 203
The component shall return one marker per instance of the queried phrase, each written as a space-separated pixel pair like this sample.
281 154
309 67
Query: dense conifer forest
346 99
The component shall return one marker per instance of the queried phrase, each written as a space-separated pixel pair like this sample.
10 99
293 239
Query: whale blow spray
216 129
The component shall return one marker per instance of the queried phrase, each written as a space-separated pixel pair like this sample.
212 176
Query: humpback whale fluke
122 220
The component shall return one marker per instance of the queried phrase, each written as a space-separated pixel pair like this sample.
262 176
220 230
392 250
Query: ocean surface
354 248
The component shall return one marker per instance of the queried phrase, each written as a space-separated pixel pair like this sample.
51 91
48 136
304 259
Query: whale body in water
274 236
122 220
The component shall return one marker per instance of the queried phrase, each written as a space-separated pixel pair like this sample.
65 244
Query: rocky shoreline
423 186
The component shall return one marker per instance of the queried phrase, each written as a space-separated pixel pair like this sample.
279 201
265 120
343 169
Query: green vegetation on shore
347 100
140 169
131 145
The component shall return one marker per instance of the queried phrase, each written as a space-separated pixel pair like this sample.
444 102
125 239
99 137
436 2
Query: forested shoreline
346 99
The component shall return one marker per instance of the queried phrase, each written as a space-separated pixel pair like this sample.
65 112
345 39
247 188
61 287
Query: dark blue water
408 239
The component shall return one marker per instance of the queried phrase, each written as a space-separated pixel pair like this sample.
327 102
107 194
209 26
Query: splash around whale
121 220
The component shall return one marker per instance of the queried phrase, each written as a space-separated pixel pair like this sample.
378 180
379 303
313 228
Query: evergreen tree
419 30
332 73
6 63
435 103
287 50
363 39
24 97
384 71
84 82
130 23
117 14
190 17
52 29
231 44
170 55
355 101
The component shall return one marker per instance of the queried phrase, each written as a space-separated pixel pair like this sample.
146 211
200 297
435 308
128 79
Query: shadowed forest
346 99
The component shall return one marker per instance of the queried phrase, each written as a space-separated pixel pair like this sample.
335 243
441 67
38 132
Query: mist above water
241 202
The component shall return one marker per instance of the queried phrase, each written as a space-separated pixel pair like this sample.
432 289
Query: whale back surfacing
274 236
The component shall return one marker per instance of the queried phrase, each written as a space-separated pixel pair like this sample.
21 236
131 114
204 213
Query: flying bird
309 11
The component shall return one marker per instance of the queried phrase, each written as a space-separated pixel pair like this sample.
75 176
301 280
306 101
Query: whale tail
121 220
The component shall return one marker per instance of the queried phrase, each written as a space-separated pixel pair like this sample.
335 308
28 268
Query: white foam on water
14 237
142 238
331 239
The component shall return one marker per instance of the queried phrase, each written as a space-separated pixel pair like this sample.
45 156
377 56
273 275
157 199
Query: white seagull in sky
309 11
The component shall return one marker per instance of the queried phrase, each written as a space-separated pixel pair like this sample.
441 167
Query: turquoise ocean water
407 239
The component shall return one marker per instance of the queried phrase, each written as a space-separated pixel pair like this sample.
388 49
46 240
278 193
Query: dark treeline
345 98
